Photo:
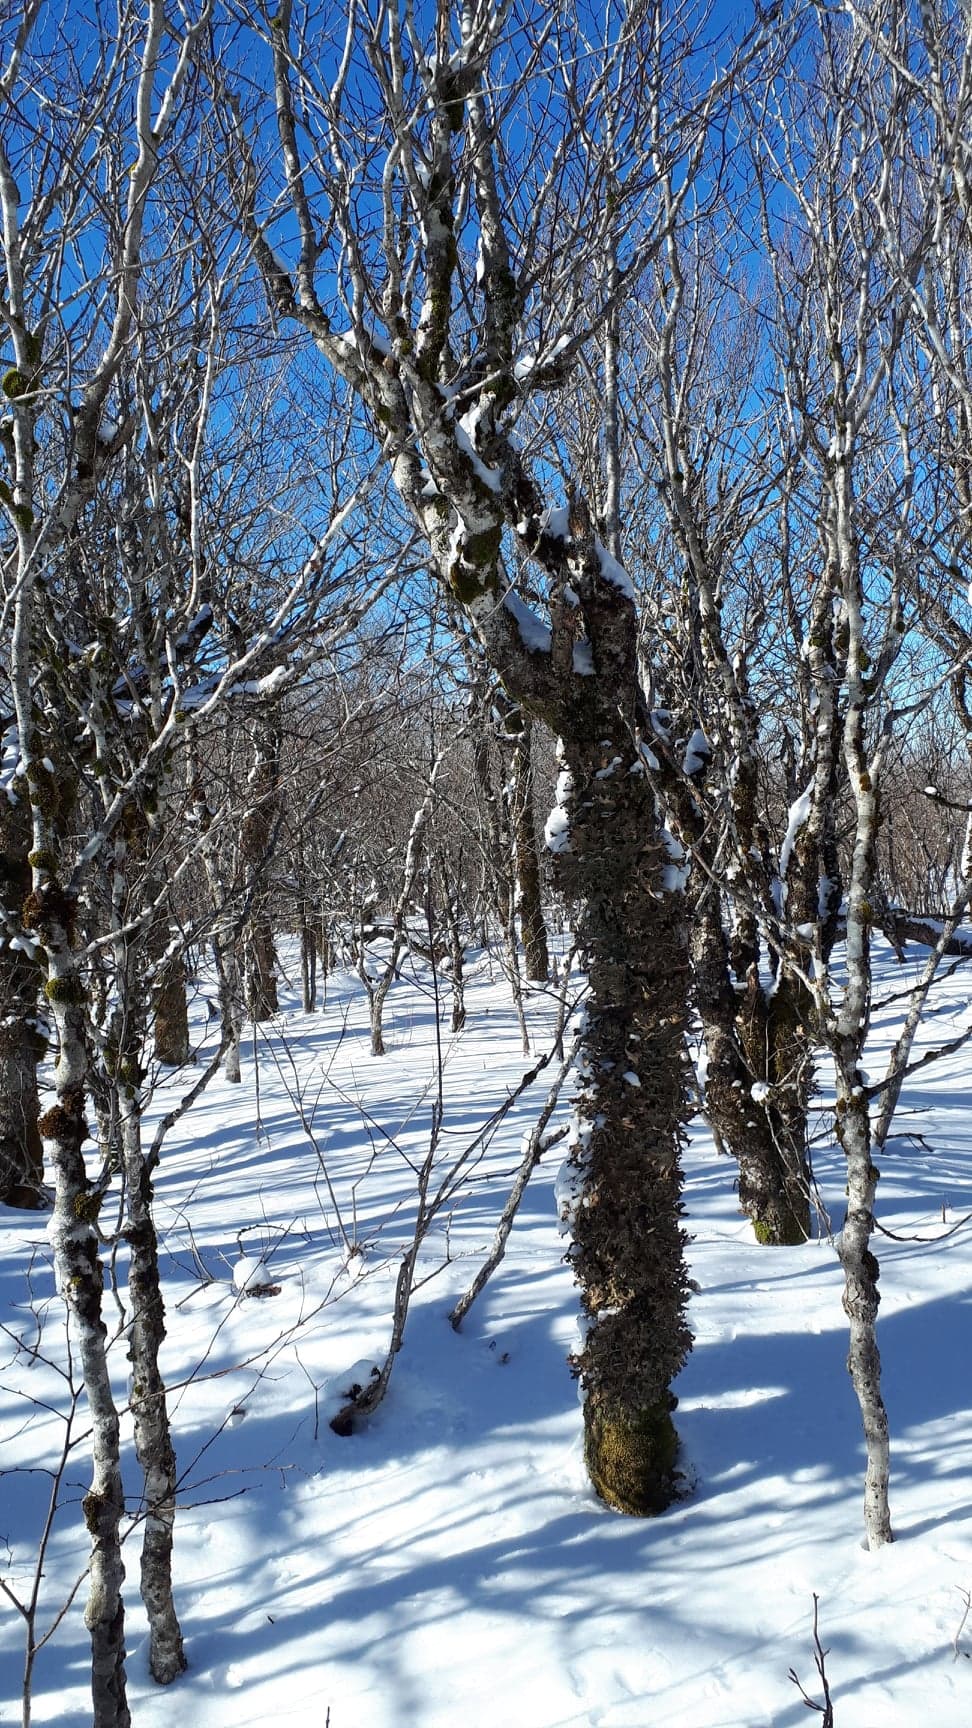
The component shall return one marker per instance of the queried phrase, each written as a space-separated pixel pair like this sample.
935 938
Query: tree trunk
146 1330
861 1300
523 832
532 927
457 956
21 1042
496 861
514 976
774 1189
758 1042
308 964
774 1029
172 1046
153 1439
261 968
474 500
628 1243
257 840
150 1418
80 1278
377 994
230 1005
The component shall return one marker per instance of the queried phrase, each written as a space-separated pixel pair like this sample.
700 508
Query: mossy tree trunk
765 1133
760 1033
564 646
613 864
628 1243
21 1041
758 1040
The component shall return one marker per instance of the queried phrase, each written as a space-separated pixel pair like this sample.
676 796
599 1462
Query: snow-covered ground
448 1564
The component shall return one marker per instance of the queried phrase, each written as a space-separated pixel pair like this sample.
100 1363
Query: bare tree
121 643
444 348
843 317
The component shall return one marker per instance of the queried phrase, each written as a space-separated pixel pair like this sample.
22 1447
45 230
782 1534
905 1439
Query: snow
457 540
449 1562
676 873
270 684
554 520
583 658
556 833
22 944
251 1273
9 761
527 363
466 439
798 818
534 633
698 751
374 338
614 572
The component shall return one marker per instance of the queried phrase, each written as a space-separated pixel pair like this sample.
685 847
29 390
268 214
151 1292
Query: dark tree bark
172 1046
308 959
21 1042
533 931
764 1133
628 1243
257 838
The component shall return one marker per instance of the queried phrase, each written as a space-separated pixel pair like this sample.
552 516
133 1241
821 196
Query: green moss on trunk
631 1456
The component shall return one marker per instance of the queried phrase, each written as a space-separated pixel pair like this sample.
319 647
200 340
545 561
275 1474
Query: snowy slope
448 1564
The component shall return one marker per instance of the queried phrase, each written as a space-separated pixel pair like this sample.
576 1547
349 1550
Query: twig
537 1143
826 1709
926 1241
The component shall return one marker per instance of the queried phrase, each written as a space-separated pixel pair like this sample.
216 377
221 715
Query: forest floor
448 1565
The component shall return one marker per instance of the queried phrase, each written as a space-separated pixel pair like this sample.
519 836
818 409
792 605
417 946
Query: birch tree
843 321
119 643
40 195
